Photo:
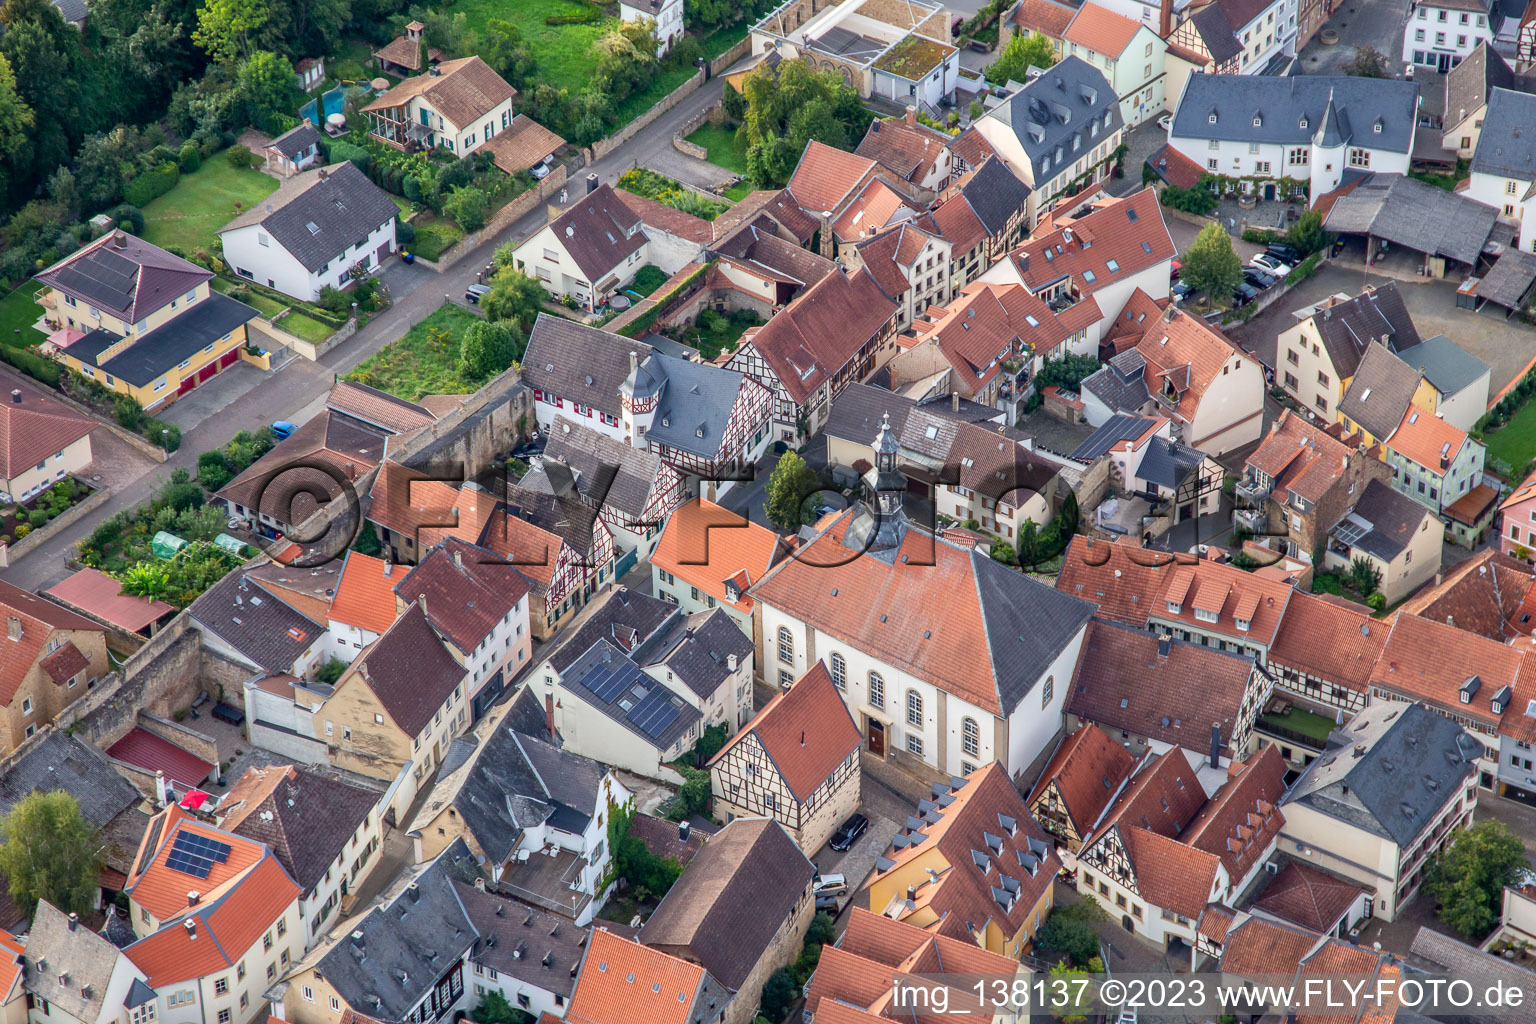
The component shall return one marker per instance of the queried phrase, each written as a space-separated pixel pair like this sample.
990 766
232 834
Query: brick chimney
912 116
1165 19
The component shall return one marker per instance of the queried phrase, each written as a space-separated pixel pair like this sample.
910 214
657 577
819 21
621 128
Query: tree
1069 929
1307 234
227 29
778 994
487 348
493 1008
50 852
16 118
785 110
468 207
1368 63
1070 994
501 46
268 82
1467 880
1364 576
515 296
823 930
790 485
1210 264
1029 544
1021 53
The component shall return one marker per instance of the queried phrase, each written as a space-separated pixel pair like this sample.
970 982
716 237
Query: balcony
1252 494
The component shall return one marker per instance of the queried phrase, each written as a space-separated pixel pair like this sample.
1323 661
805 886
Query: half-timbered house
1082 777
1323 656
632 489
797 762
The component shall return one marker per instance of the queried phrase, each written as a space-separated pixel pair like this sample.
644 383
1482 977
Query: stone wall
185 737
164 677
602 147
274 335
70 516
731 56
478 435
502 219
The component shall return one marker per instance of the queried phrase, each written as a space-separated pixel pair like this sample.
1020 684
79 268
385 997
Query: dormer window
1258 122
1206 616
1242 624
1377 127
1175 607
1211 117
1302 124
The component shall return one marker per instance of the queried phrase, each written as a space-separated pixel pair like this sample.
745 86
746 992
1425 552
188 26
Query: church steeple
882 523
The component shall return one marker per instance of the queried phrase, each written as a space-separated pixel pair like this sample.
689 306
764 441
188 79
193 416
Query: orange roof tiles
1471 507
1184 356
1163 796
1087 768
706 545
38 618
1242 818
984 324
365 594
33 427
1329 642
821 330
661 991
10 966
873 208
1044 16
1221 589
1427 440
806 731
1101 30
1481 595
1257 945
1300 457
1169 874
1430 661
1121 578
163 890
1308 897
825 177
909 150
1129 232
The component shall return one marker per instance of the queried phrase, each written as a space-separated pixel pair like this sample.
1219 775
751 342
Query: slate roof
1215 31
1413 214
422 927
1380 393
1124 681
604 664
1393 519
994 194
599 231
295 141
68 964
1414 760
608 472
1469 84
1068 109
1121 383
806 732
409 671
265 630
695 404
33 427
624 616
734 896
1346 328
1506 148
579 363
1509 281
59 761
856 414
1445 364
151 354
696 650
74 11
304 816
1169 463
1282 104
320 214
538 949
124 275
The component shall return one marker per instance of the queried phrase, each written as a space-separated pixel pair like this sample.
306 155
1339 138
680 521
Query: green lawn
564 52
720 40
739 191
721 144
717 332
306 327
1307 724
433 236
1515 442
647 279
190 215
17 314
419 364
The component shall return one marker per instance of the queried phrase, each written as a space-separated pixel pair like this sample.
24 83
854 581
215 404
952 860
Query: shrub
468 207
1197 200
151 185
166 435
189 158
334 300
241 157
128 411
1377 601
347 151
38 518
588 12
22 529
129 218
404 232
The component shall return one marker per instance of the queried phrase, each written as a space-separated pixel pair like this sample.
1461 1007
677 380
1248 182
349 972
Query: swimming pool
334 102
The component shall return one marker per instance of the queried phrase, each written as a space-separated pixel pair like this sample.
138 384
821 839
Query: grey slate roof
519 781
640 691
1392 519
1380 393
1347 327
1413 214
1121 384
526 715
295 141
608 472
994 195
537 948
857 412
60 761
74 11
579 363
1215 31
306 820
320 214
1509 281
1445 364
1061 115
1413 761
55 949
1119 427
1469 84
695 404
1169 463
627 617
1446 957
1507 146
1027 625
266 631
1281 105
416 937
165 346
696 648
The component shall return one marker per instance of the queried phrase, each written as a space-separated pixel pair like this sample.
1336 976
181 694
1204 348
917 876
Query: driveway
1504 345
114 462
1377 23
690 170
887 811
214 396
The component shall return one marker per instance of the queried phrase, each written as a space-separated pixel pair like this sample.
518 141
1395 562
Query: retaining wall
502 219
69 517
731 56
602 147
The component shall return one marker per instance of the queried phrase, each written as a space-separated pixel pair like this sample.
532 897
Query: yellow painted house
978 869
139 320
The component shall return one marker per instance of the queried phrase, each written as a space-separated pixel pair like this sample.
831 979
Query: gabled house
1128 51
796 761
242 621
51 658
1221 606
709 557
834 334
1457 379
323 829
1468 88
457 105
1486 594
1322 660
1320 353
1081 778
534 816
297 149
1162 695
44 441
320 229
589 252
217 917
1434 463
754 259
1504 163
363 607
408 53
913 152
740 910
1264 30
971 864
911 263
666 990
142 322
1399 537
71 975
981 215
1392 790
1201 44
1517 521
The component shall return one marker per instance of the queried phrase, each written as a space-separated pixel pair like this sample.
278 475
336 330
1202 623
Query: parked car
1284 252
1270 264
849 831
827 904
830 885
1165 122
1175 269
540 170
1181 291
475 292
282 429
1257 278
1244 294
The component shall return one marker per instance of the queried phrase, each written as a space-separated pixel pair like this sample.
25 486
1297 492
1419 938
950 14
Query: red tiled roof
816 335
1309 898
1112 232
1257 945
1169 874
1101 30
1471 508
1185 353
873 208
163 890
33 427
65 663
468 591
707 545
1206 582
1176 169
93 591
806 731
1163 796
909 150
1481 595
1123 579
38 619
1329 642
1300 457
1427 440
1430 661
1087 767
662 991
148 752
825 177
984 324
365 594
1242 819
1044 16
667 218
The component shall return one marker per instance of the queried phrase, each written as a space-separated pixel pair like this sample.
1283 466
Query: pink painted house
1517 522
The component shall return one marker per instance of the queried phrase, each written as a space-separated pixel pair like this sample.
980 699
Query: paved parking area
1507 347
213 396
886 811
114 462
1377 23
690 170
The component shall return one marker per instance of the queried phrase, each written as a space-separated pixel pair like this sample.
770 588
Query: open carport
1446 229
1510 282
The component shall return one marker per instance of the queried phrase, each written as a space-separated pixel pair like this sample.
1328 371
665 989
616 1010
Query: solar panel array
654 713
104 276
195 855
649 706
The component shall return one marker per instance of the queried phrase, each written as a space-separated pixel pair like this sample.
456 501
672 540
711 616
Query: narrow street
298 390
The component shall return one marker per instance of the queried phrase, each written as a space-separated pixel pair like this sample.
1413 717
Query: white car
1165 122
540 170
1270 265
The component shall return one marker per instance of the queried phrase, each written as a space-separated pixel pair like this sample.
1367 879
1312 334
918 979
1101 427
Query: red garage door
187 384
207 371
228 357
